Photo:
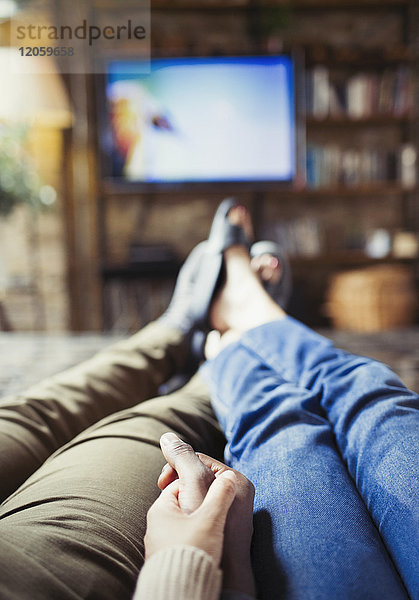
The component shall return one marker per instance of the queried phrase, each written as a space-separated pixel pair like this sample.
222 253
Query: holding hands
207 505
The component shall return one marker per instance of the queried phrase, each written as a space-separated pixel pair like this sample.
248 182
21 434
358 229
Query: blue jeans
330 442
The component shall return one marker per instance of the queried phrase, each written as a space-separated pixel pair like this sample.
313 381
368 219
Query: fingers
176 452
181 456
169 498
219 498
245 488
215 465
167 475
195 478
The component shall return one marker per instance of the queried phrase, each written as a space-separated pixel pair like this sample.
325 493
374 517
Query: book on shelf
361 96
320 92
330 165
297 237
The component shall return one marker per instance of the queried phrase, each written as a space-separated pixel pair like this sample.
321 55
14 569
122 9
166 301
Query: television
200 120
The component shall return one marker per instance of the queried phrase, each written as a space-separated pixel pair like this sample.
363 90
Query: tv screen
220 119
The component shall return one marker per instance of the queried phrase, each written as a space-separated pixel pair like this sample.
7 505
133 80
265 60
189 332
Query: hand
195 472
194 477
168 525
236 562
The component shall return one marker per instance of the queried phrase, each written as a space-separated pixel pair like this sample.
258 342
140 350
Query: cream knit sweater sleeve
179 573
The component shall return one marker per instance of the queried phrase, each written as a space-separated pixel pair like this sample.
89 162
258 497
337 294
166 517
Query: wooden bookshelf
350 258
290 4
343 61
358 58
355 191
374 121
385 189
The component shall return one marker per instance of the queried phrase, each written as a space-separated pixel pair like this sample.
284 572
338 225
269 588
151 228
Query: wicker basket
372 299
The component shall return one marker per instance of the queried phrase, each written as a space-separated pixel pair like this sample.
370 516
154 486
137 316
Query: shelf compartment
348 258
345 121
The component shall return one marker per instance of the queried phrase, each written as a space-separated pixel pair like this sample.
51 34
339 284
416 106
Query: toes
267 267
239 215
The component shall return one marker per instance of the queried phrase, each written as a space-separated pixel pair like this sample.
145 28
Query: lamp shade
37 96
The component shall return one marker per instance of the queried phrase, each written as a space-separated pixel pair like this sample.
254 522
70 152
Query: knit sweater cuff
179 572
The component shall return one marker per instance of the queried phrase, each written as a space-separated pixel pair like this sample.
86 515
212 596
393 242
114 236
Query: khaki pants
84 448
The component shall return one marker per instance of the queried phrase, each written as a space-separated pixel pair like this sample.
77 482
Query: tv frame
119 185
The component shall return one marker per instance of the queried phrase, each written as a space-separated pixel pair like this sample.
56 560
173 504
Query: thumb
179 455
194 477
219 498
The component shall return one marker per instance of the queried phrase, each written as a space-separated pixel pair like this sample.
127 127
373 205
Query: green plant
19 181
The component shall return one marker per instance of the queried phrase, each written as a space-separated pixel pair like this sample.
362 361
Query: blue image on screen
193 119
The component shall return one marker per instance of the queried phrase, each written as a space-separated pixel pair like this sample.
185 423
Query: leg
35 424
324 543
77 525
375 421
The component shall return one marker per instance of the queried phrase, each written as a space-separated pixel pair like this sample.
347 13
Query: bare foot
242 303
267 267
239 215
